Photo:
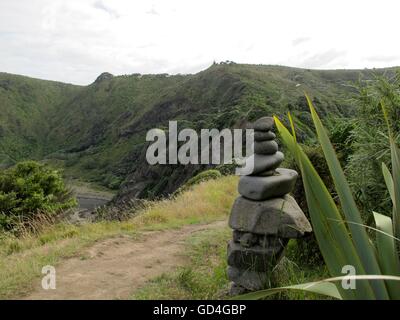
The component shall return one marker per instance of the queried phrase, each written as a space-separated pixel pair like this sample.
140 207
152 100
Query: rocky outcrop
103 77
264 217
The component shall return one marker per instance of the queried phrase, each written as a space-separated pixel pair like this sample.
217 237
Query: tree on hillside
30 188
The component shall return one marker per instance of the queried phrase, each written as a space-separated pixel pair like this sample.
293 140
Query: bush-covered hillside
98 132
27 106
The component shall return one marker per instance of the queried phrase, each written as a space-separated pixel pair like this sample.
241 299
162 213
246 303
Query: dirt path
115 268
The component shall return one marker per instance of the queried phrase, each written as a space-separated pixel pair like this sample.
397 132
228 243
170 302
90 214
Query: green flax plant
341 235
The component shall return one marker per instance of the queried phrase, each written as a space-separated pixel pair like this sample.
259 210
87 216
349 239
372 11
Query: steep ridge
27 106
97 132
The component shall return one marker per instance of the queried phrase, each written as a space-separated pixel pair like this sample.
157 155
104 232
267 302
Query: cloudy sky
76 40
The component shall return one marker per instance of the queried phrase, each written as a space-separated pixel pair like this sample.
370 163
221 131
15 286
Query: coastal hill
97 132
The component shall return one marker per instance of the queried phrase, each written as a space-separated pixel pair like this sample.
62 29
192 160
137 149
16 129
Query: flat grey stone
279 217
264 135
264 162
264 124
255 258
250 280
265 147
263 188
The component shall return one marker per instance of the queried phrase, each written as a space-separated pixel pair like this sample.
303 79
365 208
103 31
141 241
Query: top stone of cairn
263 124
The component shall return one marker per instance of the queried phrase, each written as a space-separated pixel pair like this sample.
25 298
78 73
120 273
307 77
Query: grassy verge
22 259
205 276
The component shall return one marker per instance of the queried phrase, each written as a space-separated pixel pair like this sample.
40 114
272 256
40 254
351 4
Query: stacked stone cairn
264 217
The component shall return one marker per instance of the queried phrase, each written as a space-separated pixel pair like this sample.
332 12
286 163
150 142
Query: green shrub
110 181
227 169
342 138
369 143
29 188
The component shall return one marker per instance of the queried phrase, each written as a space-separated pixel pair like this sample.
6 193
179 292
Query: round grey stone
264 135
263 162
265 147
264 124
263 188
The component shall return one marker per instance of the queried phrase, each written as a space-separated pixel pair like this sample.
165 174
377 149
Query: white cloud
300 40
76 40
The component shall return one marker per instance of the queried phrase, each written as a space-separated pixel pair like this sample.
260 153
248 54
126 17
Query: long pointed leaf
362 243
395 157
324 288
387 252
333 239
396 186
389 181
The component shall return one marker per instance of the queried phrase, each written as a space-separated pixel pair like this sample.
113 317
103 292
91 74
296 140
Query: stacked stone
264 217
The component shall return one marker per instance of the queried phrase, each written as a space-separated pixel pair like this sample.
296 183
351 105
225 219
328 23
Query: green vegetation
21 258
341 235
369 147
28 189
97 133
361 147
307 249
26 107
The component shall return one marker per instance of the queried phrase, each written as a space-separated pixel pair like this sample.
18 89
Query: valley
96 133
